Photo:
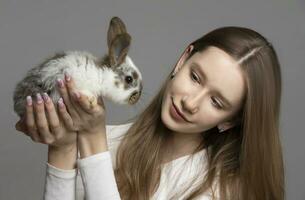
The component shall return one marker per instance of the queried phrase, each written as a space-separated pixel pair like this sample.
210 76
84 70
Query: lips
179 113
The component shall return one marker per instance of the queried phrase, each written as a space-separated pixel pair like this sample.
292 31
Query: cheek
206 120
182 84
209 118
176 89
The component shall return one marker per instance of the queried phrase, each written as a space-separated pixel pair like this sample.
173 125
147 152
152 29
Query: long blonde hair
247 159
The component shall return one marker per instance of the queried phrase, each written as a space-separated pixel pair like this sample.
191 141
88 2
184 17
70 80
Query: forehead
222 71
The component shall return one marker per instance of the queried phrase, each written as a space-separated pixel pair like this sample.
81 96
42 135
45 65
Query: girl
214 123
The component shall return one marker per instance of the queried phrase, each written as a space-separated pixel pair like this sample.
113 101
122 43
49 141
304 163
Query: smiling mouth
177 111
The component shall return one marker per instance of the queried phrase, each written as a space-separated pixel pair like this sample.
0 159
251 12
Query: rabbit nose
128 79
134 97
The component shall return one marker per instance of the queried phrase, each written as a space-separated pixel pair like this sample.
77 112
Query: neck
185 142
181 144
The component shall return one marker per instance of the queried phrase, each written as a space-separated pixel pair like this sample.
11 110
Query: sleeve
68 184
59 183
98 177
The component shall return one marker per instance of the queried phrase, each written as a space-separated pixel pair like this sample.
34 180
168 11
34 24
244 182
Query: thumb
100 101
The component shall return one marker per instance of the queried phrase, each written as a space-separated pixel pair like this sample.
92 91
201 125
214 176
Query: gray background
31 30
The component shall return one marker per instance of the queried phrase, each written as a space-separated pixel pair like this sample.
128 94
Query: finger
41 120
66 98
65 116
30 120
85 102
52 117
100 101
98 104
73 93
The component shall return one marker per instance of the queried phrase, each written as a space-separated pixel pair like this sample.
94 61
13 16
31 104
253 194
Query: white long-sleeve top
94 178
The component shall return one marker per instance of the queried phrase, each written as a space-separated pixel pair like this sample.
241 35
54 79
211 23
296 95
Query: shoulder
114 134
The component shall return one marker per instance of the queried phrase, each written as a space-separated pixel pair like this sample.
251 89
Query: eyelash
217 105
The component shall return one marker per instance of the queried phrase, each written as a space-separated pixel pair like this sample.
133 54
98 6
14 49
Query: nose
134 97
191 102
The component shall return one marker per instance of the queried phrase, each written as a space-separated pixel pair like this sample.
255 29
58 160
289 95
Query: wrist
63 157
65 149
92 143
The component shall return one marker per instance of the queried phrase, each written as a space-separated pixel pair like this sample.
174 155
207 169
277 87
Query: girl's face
207 89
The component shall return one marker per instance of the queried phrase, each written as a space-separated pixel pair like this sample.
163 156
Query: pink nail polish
45 97
29 100
67 76
60 83
61 103
39 99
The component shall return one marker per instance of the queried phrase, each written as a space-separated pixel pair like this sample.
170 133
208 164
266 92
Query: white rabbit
113 76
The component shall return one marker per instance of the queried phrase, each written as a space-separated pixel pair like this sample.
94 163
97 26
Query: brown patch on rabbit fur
135 75
116 83
103 62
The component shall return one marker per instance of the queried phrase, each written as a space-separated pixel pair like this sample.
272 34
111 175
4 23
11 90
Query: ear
226 125
231 123
119 49
118 41
183 58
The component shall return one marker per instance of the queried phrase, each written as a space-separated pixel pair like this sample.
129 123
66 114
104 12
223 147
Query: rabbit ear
118 41
119 49
116 27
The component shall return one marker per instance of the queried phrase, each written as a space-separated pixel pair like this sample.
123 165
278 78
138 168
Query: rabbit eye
128 79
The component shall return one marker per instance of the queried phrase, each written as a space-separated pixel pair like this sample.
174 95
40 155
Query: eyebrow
225 100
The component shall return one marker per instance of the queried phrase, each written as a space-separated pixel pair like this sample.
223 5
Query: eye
192 75
128 79
216 104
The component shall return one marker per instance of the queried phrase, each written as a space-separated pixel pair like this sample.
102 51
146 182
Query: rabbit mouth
134 97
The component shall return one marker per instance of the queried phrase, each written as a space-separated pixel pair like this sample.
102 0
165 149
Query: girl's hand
87 113
42 123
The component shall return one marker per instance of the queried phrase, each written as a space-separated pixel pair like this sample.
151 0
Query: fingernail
45 97
60 83
29 100
76 94
39 99
67 76
61 102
